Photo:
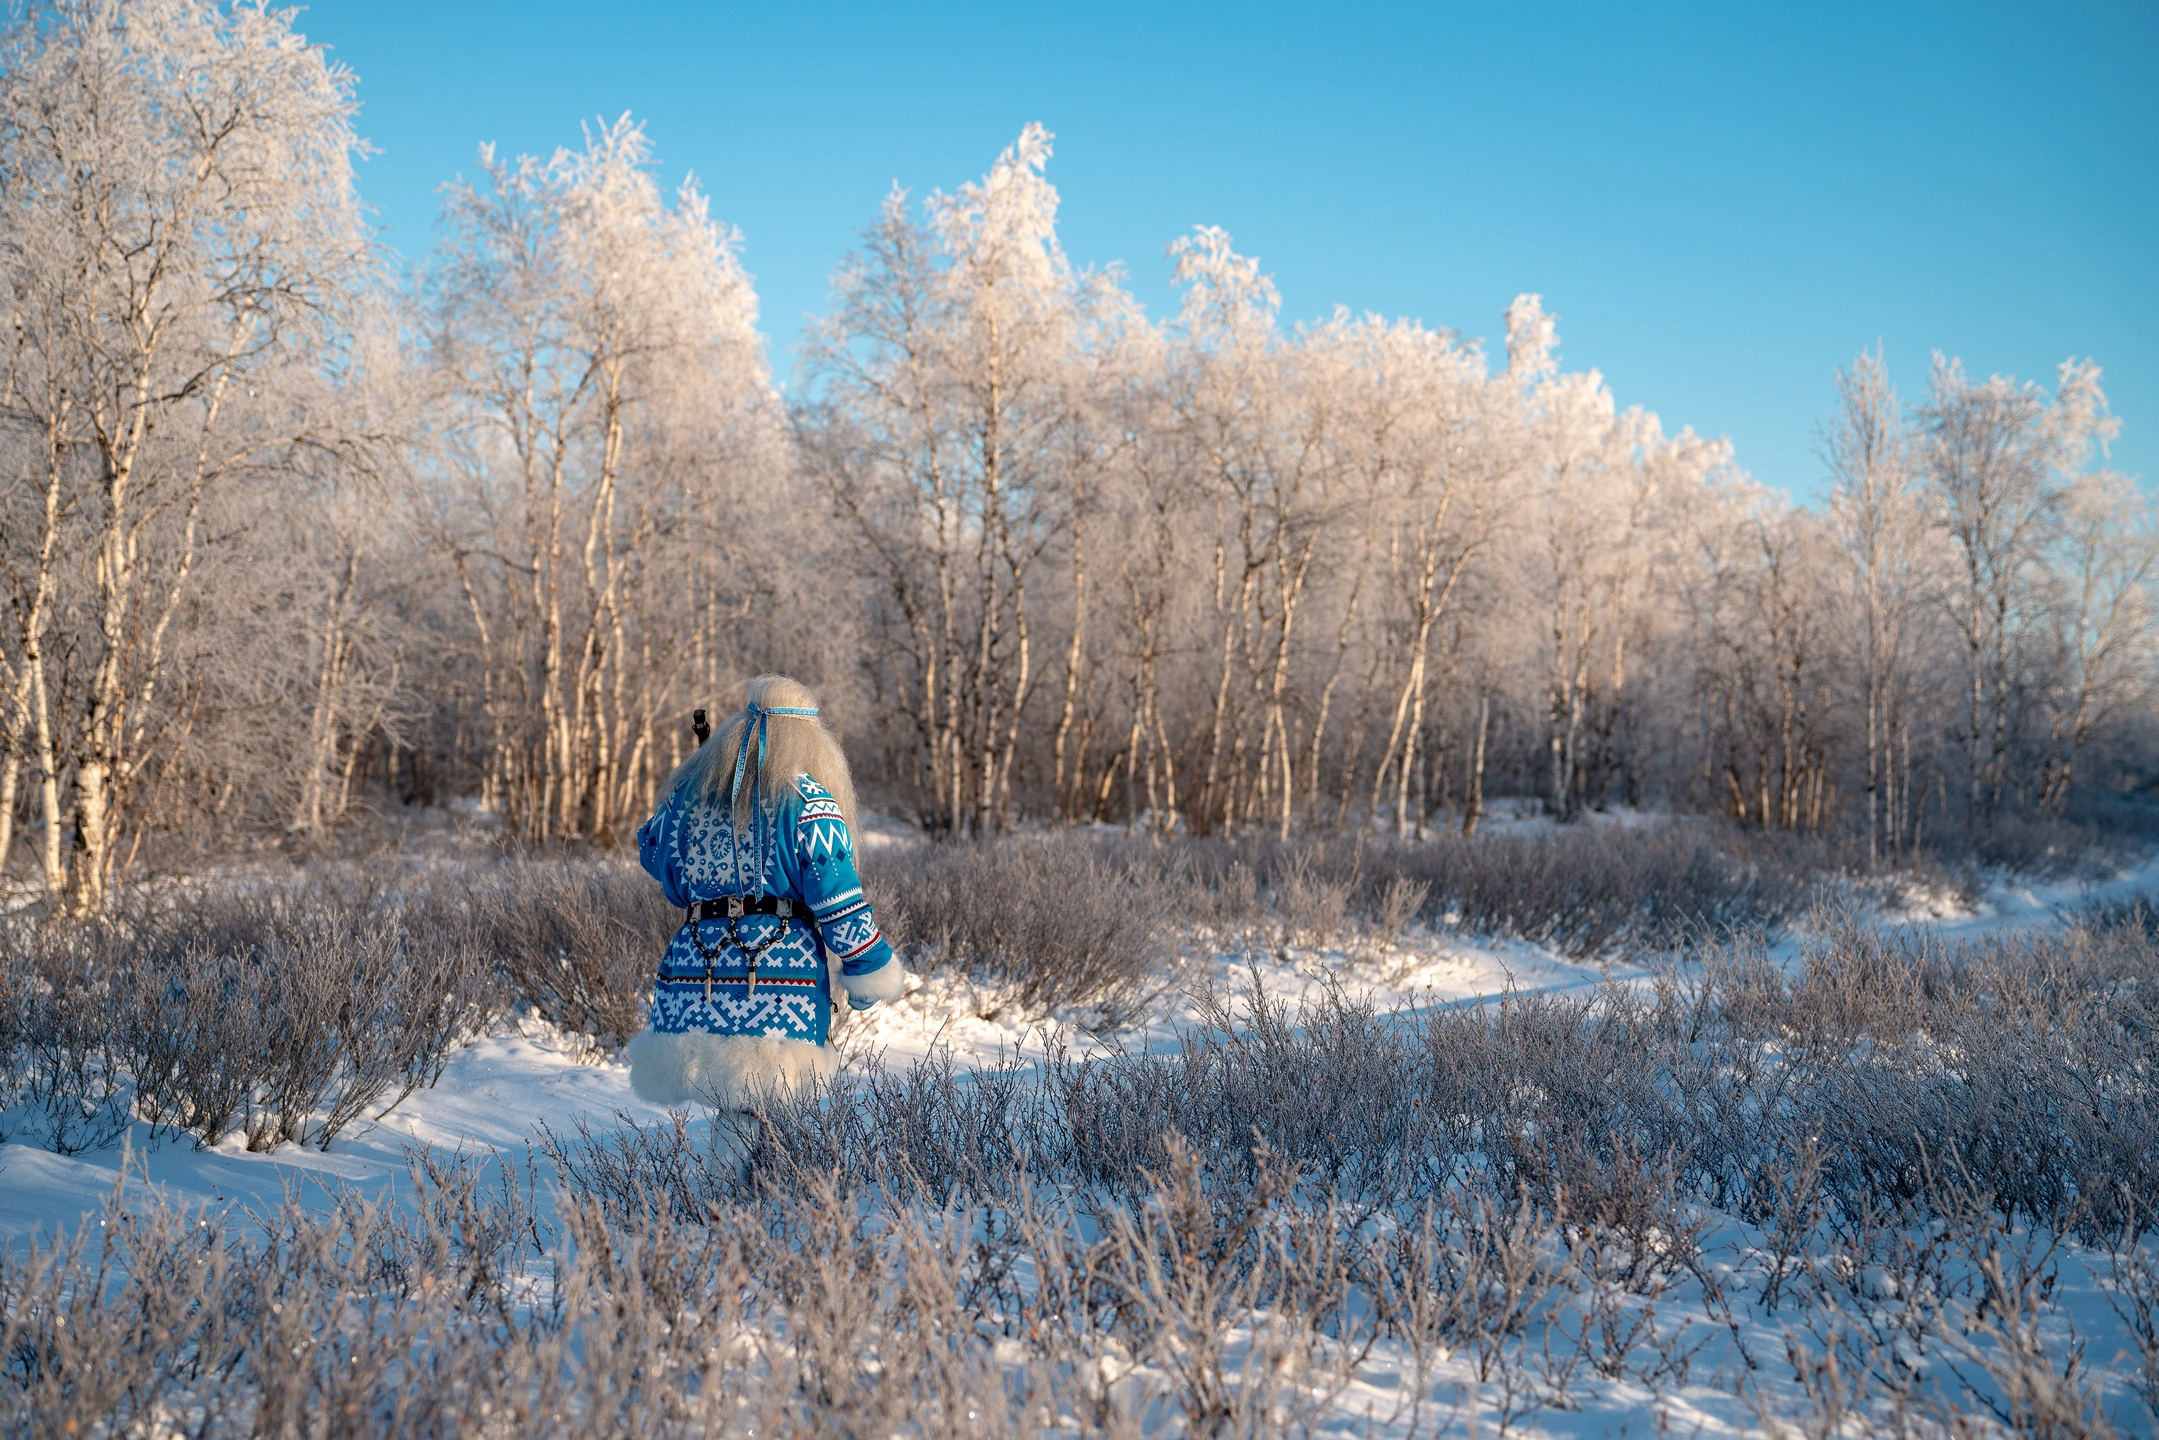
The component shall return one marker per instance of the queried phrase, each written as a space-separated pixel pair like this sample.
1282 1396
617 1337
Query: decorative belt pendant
737 906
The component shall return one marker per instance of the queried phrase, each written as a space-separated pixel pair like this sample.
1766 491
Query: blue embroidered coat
805 853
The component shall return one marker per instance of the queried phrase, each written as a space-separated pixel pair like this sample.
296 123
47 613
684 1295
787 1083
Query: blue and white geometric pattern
822 829
708 846
690 846
777 1012
853 935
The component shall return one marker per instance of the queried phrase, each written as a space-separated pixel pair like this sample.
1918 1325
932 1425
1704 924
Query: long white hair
794 745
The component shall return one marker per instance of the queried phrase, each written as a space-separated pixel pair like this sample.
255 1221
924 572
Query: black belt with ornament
733 908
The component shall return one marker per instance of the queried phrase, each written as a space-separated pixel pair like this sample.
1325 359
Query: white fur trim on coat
729 1072
887 982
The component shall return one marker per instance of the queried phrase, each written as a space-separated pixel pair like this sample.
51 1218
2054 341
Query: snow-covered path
496 1091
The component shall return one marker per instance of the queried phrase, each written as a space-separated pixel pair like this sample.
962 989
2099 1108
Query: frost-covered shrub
1062 919
72 1080
1585 890
284 1011
1044 920
1881 1065
1515 1200
578 941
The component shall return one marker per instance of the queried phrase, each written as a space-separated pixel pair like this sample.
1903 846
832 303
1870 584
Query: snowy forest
296 529
1409 899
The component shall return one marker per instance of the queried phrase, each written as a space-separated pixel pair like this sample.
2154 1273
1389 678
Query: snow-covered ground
498 1089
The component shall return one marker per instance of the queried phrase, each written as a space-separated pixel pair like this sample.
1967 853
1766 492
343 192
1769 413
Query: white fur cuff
887 982
728 1072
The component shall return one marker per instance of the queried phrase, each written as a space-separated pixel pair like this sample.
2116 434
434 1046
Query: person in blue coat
754 840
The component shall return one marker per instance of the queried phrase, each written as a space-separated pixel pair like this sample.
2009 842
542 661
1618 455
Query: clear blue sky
1722 203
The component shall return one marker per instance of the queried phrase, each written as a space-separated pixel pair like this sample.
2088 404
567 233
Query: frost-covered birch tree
1877 513
1599 475
1254 424
2102 573
611 401
1433 456
1997 453
179 237
948 366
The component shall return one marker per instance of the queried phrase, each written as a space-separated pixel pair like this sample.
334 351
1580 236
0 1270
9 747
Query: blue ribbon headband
759 716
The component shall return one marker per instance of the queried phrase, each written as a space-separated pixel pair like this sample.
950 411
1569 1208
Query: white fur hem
887 982
728 1072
